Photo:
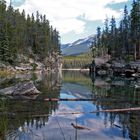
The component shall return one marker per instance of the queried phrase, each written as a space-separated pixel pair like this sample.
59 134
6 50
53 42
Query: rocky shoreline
26 88
53 63
117 68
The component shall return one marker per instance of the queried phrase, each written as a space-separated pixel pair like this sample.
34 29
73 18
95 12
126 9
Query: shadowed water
41 120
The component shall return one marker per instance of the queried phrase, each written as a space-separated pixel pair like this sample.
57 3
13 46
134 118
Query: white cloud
67 25
63 13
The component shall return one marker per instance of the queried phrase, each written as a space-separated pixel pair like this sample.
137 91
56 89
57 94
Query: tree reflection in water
36 120
117 93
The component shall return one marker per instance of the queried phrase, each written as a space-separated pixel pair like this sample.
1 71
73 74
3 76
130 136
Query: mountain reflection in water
40 120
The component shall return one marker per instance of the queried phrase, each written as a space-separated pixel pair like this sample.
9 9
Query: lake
32 118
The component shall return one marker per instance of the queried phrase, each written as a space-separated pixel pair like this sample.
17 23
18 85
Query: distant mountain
78 47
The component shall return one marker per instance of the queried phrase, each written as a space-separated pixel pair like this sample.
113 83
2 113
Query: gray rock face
27 88
54 62
7 91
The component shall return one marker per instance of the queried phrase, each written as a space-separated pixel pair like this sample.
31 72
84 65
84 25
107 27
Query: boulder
102 60
134 66
102 72
118 65
7 91
27 88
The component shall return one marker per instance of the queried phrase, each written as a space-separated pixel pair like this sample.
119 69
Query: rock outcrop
26 88
117 67
54 62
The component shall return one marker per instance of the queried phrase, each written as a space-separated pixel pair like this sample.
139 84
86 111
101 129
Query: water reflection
117 92
40 120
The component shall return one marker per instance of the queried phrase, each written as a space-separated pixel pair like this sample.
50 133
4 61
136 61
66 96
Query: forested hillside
123 41
27 35
78 61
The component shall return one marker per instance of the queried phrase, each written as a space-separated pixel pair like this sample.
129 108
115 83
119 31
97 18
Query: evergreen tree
21 35
125 30
106 35
6 50
113 36
135 27
98 37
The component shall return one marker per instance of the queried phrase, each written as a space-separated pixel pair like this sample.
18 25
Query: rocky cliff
52 63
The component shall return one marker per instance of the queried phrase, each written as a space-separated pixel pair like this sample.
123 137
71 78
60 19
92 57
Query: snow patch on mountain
78 47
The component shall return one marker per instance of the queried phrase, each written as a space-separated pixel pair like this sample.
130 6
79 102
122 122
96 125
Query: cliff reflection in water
39 120
117 93
18 115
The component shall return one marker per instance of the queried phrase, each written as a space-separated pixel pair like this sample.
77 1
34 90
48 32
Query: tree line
21 33
79 61
122 41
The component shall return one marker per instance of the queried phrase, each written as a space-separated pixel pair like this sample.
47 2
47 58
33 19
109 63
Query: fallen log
84 99
110 110
78 99
98 111
68 99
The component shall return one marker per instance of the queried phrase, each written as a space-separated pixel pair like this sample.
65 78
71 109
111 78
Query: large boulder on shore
99 61
26 88
7 91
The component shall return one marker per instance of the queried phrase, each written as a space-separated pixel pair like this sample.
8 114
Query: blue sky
75 19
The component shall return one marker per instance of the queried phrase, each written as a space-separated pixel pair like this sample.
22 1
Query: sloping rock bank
21 89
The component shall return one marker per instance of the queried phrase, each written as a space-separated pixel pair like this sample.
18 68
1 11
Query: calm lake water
42 120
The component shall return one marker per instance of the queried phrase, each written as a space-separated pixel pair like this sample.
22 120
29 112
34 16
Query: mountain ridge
78 47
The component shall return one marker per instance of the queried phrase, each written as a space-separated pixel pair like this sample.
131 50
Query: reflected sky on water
40 120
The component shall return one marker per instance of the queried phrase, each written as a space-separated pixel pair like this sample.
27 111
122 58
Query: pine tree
106 35
1 51
113 36
6 49
135 27
98 37
126 30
